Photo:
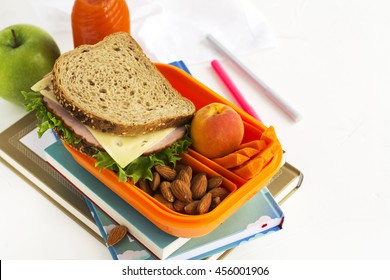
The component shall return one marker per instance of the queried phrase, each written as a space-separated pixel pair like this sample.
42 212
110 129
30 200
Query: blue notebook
260 215
230 234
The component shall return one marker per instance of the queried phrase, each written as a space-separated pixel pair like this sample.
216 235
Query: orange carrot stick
269 135
250 168
255 144
231 160
267 154
248 151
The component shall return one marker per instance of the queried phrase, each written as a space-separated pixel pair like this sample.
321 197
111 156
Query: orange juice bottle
92 20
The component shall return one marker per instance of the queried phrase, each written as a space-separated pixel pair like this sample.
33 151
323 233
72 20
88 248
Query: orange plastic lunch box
241 190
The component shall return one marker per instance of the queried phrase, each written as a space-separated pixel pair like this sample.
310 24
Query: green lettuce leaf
46 119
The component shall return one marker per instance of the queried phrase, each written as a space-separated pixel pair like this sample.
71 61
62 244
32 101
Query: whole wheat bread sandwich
109 101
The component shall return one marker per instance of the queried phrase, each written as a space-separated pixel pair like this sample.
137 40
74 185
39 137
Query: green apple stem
16 43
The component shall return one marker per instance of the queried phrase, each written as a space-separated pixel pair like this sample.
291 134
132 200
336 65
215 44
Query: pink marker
233 89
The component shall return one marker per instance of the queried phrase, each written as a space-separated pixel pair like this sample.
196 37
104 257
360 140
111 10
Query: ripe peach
216 130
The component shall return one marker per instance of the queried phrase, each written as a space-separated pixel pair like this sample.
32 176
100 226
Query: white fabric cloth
167 30
170 30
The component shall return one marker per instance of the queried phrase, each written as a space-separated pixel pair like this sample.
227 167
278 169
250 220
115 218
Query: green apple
27 53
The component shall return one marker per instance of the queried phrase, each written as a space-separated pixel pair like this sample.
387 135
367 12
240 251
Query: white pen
295 116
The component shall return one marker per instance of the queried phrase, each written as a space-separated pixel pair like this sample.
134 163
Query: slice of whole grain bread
113 87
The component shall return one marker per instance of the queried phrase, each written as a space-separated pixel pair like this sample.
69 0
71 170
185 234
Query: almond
199 185
179 205
215 202
192 208
184 176
165 188
204 203
214 182
181 190
160 198
166 172
116 235
144 185
156 181
219 192
187 168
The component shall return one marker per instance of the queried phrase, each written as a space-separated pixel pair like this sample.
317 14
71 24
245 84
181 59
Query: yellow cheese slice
123 149
44 83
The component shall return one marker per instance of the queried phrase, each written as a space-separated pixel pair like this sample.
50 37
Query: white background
333 65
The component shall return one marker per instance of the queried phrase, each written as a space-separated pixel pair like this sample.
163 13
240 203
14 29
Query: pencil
270 94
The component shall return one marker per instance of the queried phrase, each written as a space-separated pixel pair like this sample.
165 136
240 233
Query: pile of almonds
182 191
